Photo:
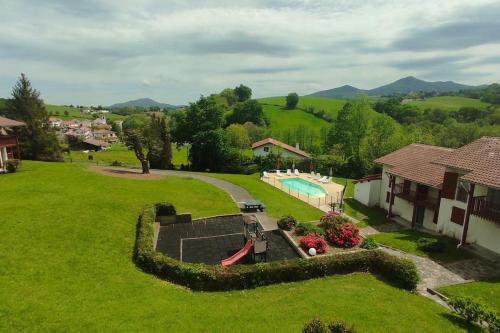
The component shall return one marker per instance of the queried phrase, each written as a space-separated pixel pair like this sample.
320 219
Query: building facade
266 146
9 144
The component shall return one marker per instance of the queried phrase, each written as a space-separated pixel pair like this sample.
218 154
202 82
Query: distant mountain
143 103
405 85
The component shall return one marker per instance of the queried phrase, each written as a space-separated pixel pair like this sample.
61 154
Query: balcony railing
486 209
411 196
7 141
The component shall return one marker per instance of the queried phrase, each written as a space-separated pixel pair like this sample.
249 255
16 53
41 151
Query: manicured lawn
448 103
406 240
487 292
119 152
366 215
65 263
278 203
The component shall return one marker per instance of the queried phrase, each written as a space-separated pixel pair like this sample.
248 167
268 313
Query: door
420 216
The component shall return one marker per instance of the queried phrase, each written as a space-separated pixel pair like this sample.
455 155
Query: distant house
99 121
93 144
264 147
455 192
55 122
9 145
105 135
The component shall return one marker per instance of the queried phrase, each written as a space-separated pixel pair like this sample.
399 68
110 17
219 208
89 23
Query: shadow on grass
462 323
371 216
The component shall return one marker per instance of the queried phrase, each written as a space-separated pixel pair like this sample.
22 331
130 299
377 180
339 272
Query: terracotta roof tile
6 122
414 162
480 158
280 144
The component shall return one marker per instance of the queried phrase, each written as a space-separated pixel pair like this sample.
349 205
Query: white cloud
101 52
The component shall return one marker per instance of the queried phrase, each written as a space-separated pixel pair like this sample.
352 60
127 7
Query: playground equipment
255 242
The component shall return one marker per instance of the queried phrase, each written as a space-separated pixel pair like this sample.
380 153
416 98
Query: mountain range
405 85
143 103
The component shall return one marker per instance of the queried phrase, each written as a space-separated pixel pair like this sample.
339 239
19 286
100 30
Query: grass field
119 152
58 111
486 292
329 105
448 103
67 241
406 241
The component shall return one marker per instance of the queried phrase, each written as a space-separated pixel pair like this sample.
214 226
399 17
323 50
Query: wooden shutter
406 186
457 215
449 185
387 196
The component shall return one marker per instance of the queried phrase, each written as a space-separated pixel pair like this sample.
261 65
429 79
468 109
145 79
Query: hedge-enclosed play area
397 271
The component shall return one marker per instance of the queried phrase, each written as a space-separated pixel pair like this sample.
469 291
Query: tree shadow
462 323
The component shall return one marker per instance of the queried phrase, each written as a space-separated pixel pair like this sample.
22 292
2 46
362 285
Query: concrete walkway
237 193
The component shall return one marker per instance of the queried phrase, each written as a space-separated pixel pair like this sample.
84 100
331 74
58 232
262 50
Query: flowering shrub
345 235
287 222
313 241
332 220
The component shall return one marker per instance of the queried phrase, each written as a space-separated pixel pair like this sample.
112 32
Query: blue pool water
302 186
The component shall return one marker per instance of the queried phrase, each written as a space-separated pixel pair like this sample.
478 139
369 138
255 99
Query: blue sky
102 52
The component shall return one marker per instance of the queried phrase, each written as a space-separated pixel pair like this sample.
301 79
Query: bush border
398 271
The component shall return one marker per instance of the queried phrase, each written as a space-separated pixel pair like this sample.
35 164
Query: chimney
297 145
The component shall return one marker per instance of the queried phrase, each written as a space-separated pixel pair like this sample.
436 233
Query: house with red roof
9 144
455 192
268 145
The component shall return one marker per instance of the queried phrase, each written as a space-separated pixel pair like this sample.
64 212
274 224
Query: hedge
398 271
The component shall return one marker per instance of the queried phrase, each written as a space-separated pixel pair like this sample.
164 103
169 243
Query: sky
94 52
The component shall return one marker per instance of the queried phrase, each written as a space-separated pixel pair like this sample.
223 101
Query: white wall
259 151
368 192
384 187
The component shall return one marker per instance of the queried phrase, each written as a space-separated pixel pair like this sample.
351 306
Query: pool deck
333 190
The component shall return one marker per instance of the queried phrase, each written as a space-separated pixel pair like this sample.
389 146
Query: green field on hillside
66 266
449 103
329 105
58 111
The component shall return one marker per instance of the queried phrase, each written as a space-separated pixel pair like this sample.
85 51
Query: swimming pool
303 187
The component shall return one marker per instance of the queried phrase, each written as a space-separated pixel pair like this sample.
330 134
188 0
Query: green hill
58 111
329 105
449 103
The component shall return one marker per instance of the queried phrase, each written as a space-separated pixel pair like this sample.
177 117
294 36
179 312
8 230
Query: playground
223 240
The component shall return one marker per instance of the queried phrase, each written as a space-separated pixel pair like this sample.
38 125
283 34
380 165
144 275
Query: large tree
38 139
250 110
292 99
243 92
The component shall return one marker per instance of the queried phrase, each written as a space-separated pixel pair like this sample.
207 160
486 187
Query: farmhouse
105 135
454 192
96 145
264 147
9 145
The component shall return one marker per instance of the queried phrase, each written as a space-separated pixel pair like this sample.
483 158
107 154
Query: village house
55 122
455 192
105 135
9 144
266 146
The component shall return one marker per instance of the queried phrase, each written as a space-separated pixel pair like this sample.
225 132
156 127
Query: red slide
238 255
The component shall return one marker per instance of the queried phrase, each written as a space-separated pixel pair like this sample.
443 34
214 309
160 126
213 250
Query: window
457 215
266 149
494 196
406 186
461 194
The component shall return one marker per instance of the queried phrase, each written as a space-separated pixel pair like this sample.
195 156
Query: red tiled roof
6 122
414 162
103 131
280 144
97 143
480 159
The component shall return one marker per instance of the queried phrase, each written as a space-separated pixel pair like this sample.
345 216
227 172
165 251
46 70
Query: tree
209 151
135 139
292 99
243 92
250 110
38 139
230 96
66 113
237 137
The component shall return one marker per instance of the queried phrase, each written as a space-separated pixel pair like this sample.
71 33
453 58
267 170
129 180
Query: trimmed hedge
401 272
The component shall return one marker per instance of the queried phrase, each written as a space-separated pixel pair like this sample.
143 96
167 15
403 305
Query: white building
453 192
264 147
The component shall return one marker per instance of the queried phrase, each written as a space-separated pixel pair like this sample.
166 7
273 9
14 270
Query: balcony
486 209
412 196
8 141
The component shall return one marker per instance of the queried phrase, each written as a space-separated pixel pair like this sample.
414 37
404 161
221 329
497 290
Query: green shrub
303 229
12 166
287 222
467 308
332 220
369 244
116 163
338 326
432 245
314 326
215 277
493 320
164 209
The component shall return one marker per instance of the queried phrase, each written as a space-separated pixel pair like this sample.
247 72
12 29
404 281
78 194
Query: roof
97 143
480 160
280 144
414 162
103 131
6 122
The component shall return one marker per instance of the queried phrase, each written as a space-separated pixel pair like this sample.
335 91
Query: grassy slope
487 292
448 103
66 266
119 152
330 105
75 113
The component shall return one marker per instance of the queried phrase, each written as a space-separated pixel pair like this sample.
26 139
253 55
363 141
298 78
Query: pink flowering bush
345 235
313 241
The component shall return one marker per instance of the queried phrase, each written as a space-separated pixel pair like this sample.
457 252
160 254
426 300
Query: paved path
238 193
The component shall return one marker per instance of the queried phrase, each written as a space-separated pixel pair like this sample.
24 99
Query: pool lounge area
305 188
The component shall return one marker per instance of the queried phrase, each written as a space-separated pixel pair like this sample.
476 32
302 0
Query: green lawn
406 241
449 103
364 214
119 152
278 203
66 265
487 292
329 105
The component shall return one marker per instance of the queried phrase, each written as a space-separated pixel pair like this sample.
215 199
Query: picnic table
254 204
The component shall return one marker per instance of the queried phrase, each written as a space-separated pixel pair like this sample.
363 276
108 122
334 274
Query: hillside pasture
448 103
331 106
